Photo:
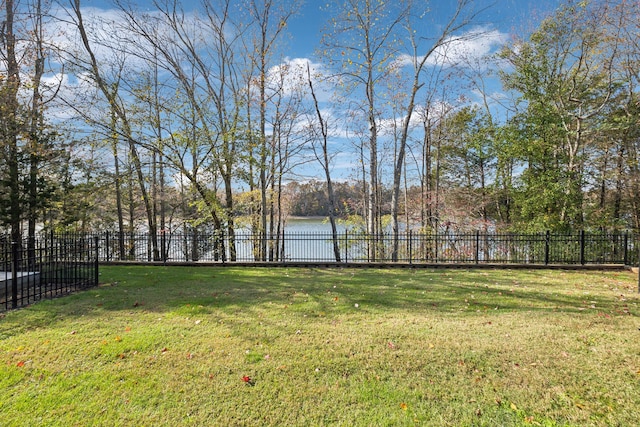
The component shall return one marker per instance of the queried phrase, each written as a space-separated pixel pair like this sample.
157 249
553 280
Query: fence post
546 247
106 238
346 246
410 247
477 252
41 268
582 260
14 274
226 243
96 249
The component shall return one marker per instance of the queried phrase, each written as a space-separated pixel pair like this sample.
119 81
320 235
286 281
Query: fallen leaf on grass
403 406
20 364
247 380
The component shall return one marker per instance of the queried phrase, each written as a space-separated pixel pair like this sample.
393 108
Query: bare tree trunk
325 163
372 195
132 213
35 133
118 190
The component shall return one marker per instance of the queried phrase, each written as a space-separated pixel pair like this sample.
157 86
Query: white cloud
434 112
290 77
469 48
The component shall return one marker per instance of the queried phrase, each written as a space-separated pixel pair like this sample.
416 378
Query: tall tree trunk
35 133
617 197
325 163
11 125
132 213
118 189
372 195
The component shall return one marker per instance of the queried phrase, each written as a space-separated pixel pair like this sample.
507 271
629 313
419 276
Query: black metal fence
47 267
55 265
411 248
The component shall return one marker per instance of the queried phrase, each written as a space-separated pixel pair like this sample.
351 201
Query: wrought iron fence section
357 247
47 267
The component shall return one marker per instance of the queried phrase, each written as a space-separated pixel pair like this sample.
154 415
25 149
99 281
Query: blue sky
510 16
500 21
516 17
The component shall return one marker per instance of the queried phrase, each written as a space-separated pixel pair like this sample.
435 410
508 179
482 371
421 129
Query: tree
620 189
27 139
110 92
285 94
564 74
320 132
456 22
11 126
362 43
471 163
268 23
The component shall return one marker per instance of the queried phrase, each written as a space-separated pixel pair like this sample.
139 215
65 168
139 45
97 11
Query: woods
163 119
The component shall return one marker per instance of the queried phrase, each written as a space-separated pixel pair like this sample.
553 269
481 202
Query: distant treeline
310 199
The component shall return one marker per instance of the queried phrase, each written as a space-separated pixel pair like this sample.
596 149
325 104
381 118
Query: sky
511 17
499 22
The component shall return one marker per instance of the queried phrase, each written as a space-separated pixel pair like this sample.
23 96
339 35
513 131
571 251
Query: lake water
311 225
305 239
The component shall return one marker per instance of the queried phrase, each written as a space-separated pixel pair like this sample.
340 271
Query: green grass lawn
229 346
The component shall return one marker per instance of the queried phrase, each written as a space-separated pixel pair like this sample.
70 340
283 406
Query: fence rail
413 248
47 267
